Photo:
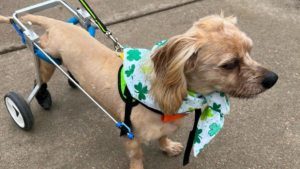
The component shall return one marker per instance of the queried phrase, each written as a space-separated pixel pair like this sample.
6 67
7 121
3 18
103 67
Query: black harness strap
130 102
128 107
190 142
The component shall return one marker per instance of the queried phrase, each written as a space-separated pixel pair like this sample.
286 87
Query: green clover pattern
216 107
142 91
130 71
206 113
191 93
192 109
214 129
197 136
134 54
204 101
146 69
162 43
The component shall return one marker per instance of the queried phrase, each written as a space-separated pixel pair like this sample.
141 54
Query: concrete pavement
109 11
259 133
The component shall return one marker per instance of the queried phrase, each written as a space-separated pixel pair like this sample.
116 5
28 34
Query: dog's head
214 55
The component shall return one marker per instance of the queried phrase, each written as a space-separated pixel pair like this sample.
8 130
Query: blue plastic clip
73 20
129 134
92 31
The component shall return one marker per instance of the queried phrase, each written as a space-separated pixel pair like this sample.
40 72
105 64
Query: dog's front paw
172 148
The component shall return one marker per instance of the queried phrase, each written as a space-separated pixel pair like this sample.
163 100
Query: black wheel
19 110
70 82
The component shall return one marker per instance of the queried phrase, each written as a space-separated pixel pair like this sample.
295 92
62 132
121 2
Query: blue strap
18 30
36 51
41 55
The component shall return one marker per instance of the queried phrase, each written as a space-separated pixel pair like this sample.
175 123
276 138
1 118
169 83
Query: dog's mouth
246 93
242 96
253 87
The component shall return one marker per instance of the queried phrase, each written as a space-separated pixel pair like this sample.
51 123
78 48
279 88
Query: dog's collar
211 120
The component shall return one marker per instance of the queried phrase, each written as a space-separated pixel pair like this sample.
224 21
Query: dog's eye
230 66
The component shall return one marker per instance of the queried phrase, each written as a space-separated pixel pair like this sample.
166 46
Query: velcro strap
190 142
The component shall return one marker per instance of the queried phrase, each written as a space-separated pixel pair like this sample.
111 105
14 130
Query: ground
258 133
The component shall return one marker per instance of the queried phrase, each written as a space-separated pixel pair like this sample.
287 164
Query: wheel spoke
17 112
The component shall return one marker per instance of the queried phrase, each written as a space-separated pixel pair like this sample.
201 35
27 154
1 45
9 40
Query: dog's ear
170 62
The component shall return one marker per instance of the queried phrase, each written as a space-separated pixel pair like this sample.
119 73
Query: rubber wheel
19 110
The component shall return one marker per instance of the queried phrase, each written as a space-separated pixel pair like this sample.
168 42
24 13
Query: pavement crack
12 49
146 11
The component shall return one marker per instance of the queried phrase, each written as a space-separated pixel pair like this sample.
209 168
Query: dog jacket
136 72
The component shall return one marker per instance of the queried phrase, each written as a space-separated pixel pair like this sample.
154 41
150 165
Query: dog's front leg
135 153
170 147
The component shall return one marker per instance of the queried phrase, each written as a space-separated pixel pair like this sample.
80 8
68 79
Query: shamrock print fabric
211 121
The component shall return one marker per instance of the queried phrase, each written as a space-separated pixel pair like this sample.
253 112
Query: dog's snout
269 80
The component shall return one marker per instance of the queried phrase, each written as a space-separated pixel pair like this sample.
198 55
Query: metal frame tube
41 7
77 85
31 37
39 79
32 40
33 93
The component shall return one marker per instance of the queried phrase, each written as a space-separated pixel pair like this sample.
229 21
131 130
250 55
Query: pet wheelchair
17 106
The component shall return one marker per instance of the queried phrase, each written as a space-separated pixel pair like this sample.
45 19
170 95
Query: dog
213 55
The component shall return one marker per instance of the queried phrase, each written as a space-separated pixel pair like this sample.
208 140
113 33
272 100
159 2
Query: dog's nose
269 80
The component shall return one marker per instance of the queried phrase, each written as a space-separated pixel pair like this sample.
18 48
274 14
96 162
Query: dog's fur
212 55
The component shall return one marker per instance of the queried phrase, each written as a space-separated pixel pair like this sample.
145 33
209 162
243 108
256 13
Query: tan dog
212 55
